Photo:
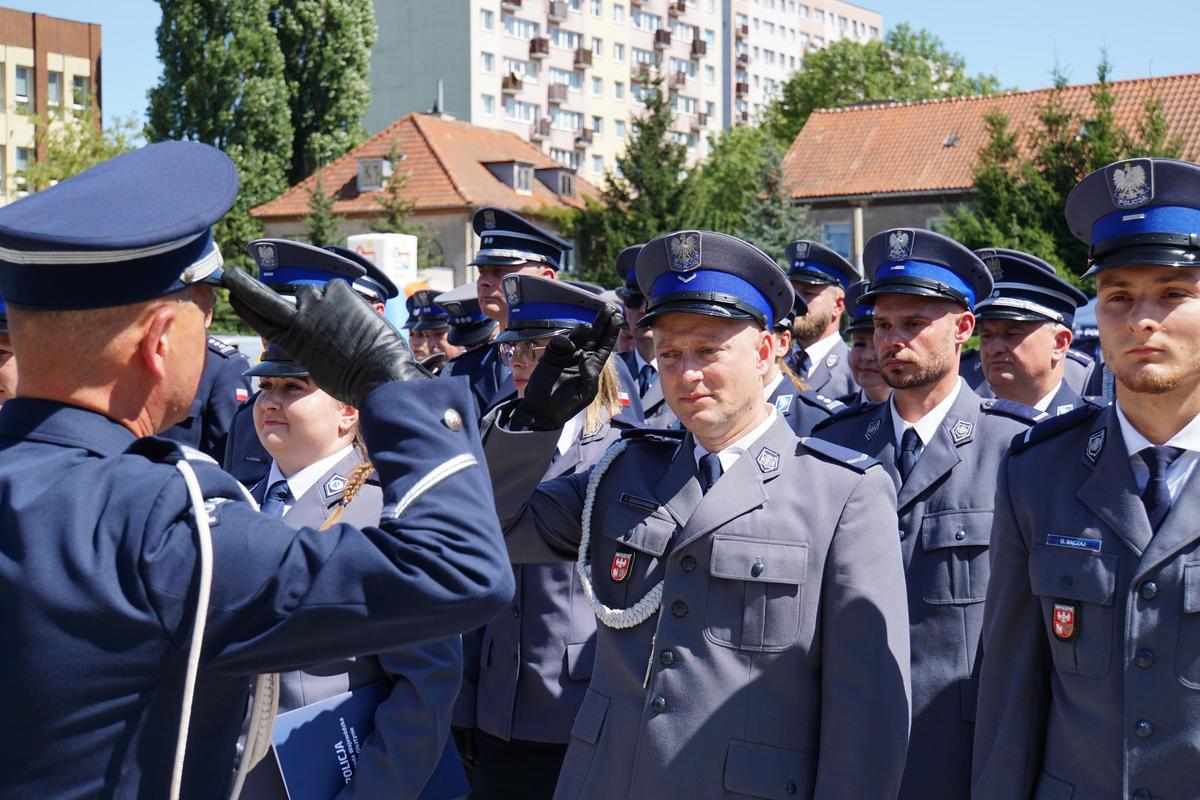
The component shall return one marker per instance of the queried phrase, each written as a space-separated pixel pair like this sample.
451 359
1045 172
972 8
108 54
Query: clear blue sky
1019 40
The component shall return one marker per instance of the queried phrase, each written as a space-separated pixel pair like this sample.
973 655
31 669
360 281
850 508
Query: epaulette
1080 356
221 348
1013 409
166 451
859 462
845 413
1053 426
669 436
819 400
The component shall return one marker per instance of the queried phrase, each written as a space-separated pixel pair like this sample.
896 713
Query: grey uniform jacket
778 664
1114 711
536 657
945 513
831 376
412 725
1078 367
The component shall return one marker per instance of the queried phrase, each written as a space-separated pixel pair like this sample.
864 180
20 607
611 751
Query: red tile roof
445 161
887 148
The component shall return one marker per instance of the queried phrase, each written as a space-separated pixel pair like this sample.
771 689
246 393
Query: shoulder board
166 451
859 462
220 348
669 436
847 412
1013 409
1081 357
819 400
1052 426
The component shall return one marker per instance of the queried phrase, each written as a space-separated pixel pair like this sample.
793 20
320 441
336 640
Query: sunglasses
523 352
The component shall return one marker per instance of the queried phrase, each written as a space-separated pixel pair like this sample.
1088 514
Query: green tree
772 219
324 226
1019 199
398 212
326 48
76 142
646 195
223 84
905 65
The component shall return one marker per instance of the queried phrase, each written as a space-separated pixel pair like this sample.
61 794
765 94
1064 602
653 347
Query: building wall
836 220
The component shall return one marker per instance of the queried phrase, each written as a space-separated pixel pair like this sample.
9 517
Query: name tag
1073 542
640 503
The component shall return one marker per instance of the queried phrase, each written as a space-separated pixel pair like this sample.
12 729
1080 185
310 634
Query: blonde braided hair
357 480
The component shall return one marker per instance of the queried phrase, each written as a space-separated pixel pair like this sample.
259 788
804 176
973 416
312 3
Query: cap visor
529 334
1013 314
482 260
1150 255
869 298
276 369
697 307
430 325
472 337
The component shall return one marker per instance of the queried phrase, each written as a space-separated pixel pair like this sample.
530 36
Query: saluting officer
1091 670
942 445
640 359
740 651
8 361
469 326
133 576
864 366
429 335
802 408
1025 331
820 276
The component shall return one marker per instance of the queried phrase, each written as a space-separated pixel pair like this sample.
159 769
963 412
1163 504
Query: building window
489 105
523 179
646 22
597 165
487 19
567 40
566 78
836 235
527 71
568 158
619 128
54 91
619 90
520 28
618 14
24 156
597 47
488 62
598 87
710 73
516 111
597 8
576 6
598 126
710 37
618 52
710 108
563 120
23 94
648 57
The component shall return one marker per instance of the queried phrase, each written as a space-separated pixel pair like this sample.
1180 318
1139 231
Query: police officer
640 359
508 243
429 335
942 446
8 361
1025 330
821 277
285 265
726 662
223 387
864 366
802 408
1091 643
469 326
134 578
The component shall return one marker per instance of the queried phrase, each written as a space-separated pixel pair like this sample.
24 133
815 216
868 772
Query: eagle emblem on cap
266 256
685 251
899 245
993 266
1130 185
800 254
489 218
512 291
454 309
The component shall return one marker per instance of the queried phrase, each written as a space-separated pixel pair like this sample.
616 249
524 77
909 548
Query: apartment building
49 67
769 38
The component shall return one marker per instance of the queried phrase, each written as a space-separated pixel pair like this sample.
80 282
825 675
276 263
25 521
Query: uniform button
667 657
679 609
1143 658
960 535
1149 590
1143 729
688 563
658 704
757 569
790 788
1066 582
1142 794
452 419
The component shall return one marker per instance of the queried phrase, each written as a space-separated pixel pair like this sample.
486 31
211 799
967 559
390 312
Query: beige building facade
49 68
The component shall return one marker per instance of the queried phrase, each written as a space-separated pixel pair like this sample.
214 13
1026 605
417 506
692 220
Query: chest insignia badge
872 429
621 564
767 460
1066 620
1095 445
961 431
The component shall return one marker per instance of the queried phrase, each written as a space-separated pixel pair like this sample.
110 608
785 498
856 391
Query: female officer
319 475
536 657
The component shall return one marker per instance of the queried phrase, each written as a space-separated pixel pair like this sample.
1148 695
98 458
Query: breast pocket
1082 585
1187 651
626 560
754 593
955 545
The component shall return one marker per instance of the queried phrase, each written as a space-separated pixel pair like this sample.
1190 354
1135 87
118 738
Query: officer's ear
347 418
160 332
964 327
766 350
1062 341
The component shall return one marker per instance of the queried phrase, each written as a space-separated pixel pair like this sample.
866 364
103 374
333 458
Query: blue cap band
707 280
921 269
816 266
292 276
1159 219
565 313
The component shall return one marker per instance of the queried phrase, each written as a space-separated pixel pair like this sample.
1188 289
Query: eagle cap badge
512 290
684 251
266 256
1132 183
489 218
900 244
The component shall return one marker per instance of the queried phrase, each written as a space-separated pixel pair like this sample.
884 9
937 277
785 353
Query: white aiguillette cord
266 687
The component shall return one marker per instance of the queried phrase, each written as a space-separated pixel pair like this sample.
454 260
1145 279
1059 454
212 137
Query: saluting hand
567 377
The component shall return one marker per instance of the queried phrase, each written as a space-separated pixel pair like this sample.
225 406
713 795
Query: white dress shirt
303 479
1186 439
1044 403
818 350
570 432
927 425
734 451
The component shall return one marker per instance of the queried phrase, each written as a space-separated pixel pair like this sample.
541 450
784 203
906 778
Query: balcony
556 95
557 10
540 130
510 5
641 73
662 38
539 48
742 88
679 80
702 119
743 59
699 48
511 84
743 31
583 58
584 139
677 7
744 118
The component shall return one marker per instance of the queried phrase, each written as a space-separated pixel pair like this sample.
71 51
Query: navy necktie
710 471
909 443
646 377
805 362
1156 497
275 501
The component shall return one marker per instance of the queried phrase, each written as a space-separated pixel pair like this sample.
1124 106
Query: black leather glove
464 740
434 362
567 377
346 346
